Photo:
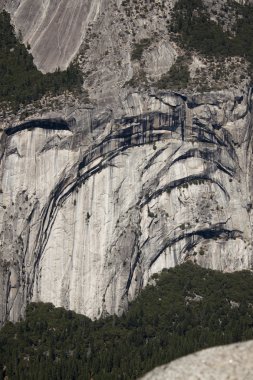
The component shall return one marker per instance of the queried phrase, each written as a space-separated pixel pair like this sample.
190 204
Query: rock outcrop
54 30
232 362
93 206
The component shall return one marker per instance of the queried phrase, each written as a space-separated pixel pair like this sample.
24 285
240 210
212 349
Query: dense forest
187 309
194 29
20 81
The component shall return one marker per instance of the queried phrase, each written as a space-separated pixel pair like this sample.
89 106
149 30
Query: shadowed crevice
215 232
50 124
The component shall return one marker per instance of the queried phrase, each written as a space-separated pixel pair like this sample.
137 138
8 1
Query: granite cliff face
54 30
230 362
91 210
96 198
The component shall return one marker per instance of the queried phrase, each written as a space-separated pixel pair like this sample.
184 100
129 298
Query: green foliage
243 42
20 81
138 79
195 30
177 77
139 48
190 308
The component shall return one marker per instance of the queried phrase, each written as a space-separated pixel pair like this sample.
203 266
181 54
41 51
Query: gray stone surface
232 362
54 29
89 213
111 192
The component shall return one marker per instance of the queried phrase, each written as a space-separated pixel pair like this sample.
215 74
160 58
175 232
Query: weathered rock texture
94 200
232 362
54 30
93 206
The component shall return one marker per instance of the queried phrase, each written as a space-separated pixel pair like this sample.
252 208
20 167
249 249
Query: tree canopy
188 309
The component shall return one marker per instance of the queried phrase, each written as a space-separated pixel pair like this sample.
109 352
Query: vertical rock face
54 30
95 200
90 210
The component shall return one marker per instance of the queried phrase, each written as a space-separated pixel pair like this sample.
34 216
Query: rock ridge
230 362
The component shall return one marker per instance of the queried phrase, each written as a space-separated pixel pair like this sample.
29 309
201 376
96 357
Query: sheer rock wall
96 198
91 208
54 30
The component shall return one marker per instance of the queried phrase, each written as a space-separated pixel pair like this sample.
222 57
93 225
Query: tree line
188 309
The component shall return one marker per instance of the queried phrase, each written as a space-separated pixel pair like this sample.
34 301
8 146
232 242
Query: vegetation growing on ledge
197 32
20 81
139 48
177 77
190 308
138 79
194 30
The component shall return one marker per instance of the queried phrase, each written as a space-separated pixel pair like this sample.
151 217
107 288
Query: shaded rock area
53 124
232 362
